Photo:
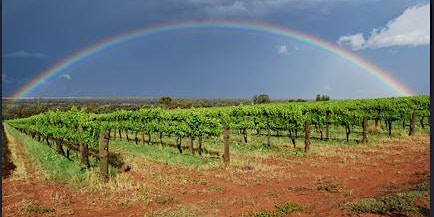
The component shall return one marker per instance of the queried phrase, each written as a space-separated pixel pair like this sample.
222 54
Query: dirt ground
321 183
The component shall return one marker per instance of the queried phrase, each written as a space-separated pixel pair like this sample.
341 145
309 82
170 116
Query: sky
215 62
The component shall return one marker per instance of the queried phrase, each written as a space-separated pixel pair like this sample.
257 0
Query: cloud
66 76
411 28
356 41
282 49
234 8
25 54
219 8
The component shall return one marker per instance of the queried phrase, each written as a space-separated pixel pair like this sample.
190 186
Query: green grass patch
164 154
55 167
400 203
281 146
280 210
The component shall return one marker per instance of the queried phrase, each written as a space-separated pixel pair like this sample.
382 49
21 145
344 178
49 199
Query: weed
200 181
178 212
397 203
330 187
165 200
217 188
280 210
349 193
31 207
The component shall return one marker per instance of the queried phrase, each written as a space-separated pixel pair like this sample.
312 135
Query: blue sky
216 63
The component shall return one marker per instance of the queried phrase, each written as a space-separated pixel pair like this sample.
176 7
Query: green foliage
78 126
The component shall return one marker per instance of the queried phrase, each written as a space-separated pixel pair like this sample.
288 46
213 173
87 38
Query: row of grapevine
75 129
286 117
80 130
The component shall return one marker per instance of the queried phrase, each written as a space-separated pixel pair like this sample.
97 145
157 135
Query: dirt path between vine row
320 183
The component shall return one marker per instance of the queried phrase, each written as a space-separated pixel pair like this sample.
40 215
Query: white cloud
249 7
66 76
356 41
411 28
282 49
26 54
234 8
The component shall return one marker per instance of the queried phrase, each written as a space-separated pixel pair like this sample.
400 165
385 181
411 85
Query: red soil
320 183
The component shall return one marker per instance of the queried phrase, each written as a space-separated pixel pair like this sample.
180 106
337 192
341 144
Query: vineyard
89 134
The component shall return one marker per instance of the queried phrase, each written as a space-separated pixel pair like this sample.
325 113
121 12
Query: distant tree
165 100
320 97
254 99
174 104
261 98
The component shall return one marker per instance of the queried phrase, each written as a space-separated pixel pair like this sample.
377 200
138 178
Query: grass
37 209
167 155
282 146
179 211
31 206
59 169
280 210
55 167
253 156
165 200
400 203
217 188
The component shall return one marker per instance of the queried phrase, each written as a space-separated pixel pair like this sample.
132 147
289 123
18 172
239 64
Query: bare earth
351 173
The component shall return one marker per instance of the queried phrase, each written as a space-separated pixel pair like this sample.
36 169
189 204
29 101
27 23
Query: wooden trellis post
84 151
103 155
226 157
192 144
307 136
327 130
365 130
413 124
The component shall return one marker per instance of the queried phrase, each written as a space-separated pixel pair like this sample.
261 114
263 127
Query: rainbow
238 25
